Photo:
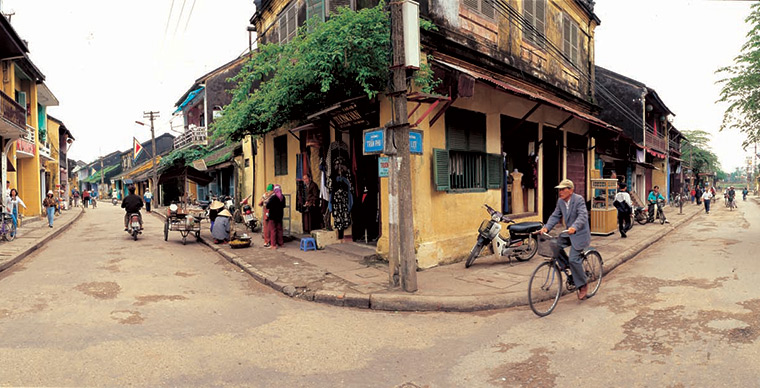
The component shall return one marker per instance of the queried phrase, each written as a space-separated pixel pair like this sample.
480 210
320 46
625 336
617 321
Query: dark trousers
275 232
624 222
707 206
312 219
147 206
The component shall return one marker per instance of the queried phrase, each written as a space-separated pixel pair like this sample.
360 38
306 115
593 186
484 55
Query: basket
236 244
545 245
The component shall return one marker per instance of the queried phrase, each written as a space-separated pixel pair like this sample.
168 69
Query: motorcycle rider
132 203
652 199
744 194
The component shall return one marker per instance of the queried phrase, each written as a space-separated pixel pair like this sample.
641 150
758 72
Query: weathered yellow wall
53 166
265 175
659 177
248 182
28 173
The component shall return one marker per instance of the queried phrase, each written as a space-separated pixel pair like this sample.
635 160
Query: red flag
136 148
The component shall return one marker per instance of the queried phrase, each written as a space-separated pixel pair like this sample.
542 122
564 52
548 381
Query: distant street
94 308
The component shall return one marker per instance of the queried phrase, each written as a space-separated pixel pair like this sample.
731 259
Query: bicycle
7 227
545 284
731 204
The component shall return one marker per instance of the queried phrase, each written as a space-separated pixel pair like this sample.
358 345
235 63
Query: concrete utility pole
154 180
102 176
401 218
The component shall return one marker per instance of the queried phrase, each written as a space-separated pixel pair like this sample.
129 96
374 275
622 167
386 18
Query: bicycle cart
184 223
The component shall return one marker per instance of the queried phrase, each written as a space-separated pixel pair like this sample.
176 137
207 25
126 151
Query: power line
168 19
181 11
189 16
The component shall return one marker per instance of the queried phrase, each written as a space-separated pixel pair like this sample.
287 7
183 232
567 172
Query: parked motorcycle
521 245
134 225
248 216
641 214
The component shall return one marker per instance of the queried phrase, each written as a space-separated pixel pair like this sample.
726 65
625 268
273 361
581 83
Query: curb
40 243
385 301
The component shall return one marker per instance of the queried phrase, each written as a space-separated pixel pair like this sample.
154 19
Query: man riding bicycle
572 208
652 199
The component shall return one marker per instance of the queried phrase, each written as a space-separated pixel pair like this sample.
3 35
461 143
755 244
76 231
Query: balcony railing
29 135
656 142
193 136
12 111
675 146
45 150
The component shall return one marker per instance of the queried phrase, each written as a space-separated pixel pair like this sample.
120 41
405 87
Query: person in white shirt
13 203
706 197
625 207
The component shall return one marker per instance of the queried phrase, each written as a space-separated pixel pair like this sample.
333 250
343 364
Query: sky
107 62
675 47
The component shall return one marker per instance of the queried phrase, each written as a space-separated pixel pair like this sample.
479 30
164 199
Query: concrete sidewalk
351 275
34 233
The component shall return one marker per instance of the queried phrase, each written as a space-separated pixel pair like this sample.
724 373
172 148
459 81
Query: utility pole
400 219
154 181
102 176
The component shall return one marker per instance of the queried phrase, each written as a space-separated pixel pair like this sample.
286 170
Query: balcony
12 117
193 135
656 142
675 146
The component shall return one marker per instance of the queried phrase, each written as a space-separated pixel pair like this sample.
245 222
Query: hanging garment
341 202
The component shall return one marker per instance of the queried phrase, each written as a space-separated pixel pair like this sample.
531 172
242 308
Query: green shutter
494 171
456 138
441 169
477 138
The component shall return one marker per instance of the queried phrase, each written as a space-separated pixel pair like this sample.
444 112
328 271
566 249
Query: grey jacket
575 215
221 229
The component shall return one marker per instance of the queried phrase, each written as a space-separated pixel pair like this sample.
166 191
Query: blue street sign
383 166
374 141
415 142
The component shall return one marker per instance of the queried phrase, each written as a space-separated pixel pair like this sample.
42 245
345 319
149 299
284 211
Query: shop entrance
551 145
366 210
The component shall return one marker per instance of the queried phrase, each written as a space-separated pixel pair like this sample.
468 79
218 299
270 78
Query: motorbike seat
525 227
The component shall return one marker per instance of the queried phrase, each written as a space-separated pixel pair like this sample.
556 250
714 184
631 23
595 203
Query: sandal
267 245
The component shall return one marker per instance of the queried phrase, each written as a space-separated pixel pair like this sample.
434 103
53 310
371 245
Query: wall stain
533 372
99 290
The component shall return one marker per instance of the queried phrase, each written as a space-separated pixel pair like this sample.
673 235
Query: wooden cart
184 223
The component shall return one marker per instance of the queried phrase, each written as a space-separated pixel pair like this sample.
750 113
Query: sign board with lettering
415 142
373 141
383 166
25 147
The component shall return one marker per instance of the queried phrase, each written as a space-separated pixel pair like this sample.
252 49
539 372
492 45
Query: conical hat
225 213
216 205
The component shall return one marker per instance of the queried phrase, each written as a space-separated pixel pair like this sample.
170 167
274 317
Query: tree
695 151
741 87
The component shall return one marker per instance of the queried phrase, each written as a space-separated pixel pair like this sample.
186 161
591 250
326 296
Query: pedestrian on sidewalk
49 205
148 196
311 214
75 195
265 214
14 202
275 207
693 195
706 197
221 229
86 198
624 207
698 195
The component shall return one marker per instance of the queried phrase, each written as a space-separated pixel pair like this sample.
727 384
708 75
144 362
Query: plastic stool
308 243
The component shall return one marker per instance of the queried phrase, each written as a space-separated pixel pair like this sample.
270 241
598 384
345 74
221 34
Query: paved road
98 309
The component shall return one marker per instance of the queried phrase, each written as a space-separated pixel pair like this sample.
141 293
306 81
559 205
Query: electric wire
179 19
189 15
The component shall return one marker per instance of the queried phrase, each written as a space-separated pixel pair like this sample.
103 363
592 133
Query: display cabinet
603 212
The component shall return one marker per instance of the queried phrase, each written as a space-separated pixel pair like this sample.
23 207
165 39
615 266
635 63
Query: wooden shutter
540 20
471 4
529 12
477 138
494 171
486 8
441 169
456 138
283 27
292 15
574 43
566 41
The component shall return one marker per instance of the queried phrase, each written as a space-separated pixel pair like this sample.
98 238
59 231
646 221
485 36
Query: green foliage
741 85
696 152
347 56
184 156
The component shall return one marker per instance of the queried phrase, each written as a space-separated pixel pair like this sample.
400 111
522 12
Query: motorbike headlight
496 217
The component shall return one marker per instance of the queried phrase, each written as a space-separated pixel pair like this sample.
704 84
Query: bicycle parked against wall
7 228
545 285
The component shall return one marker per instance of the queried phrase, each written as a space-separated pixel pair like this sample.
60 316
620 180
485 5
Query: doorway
366 210
552 146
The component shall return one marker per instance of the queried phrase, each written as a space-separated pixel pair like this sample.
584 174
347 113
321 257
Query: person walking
148 197
86 198
571 208
49 204
265 214
76 196
14 201
706 197
698 195
275 207
693 194
624 207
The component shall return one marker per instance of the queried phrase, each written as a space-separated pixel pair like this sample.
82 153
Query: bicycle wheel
544 288
7 229
526 255
594 269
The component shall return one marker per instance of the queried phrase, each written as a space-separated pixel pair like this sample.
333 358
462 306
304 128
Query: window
571 39
534 12
464 165
315 8
288 23
281 155
481 7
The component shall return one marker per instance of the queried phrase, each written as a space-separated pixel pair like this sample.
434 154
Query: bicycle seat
525 227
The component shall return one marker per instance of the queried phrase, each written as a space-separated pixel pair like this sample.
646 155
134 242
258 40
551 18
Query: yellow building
513 115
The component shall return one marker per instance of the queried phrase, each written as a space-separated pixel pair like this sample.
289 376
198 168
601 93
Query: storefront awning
649 166
182 172
532 95
656 154
95 178
189 99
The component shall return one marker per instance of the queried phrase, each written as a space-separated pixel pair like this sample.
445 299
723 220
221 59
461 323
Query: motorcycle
522 243
248 217
641 213
115 201
134 225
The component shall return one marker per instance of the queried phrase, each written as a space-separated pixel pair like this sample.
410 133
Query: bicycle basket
545 245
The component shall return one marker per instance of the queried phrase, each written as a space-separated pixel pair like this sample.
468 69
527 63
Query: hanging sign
415 142
383 166
374 139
